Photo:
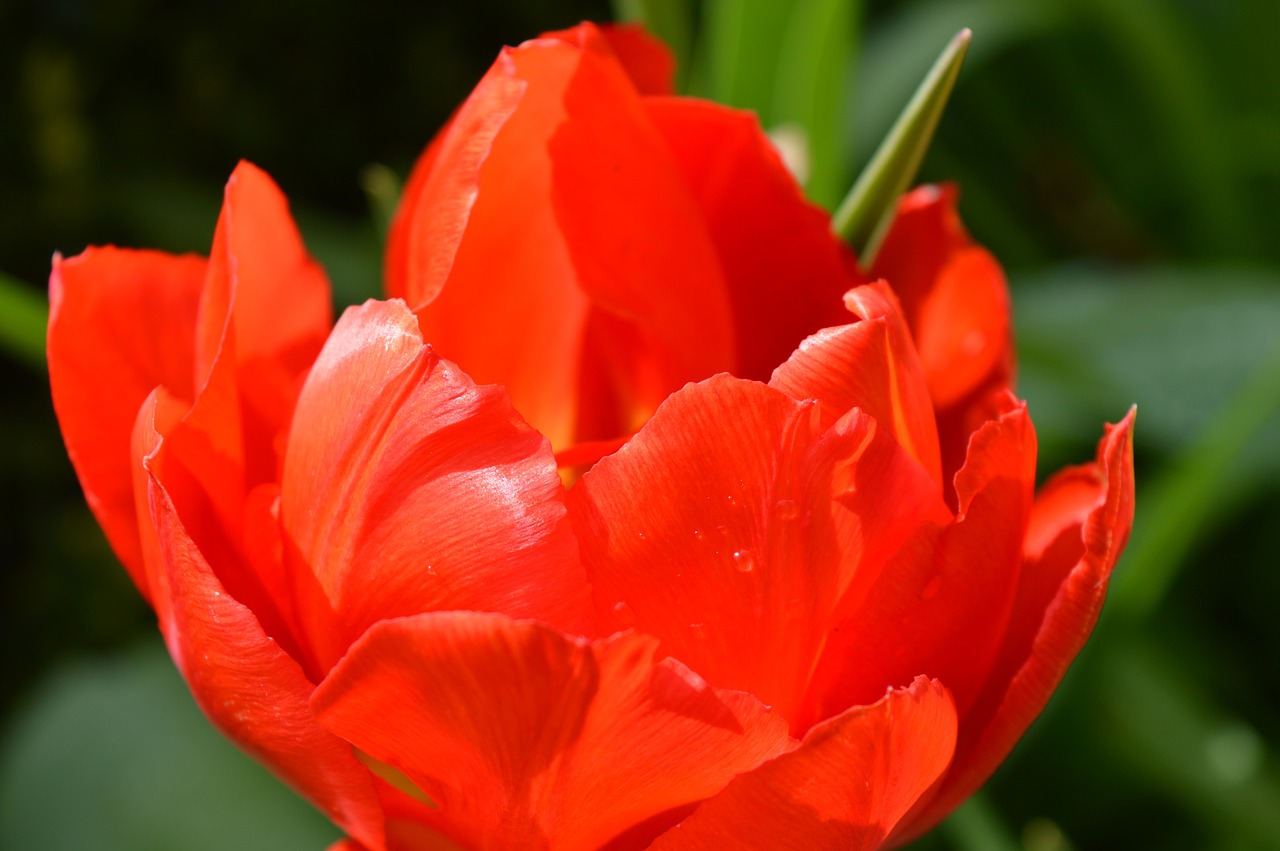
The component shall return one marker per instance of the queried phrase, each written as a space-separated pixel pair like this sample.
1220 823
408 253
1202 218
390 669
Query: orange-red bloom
799 592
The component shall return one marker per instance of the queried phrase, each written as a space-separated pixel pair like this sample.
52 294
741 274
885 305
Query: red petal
647 60
266 301
263 314
729 528
436 204
941 605
846 787
785 272
120 323
1078 528
870 365
640 247
407 488
525 738
956 301
242 679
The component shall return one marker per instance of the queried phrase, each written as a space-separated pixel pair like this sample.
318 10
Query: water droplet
787 509
699 631
624 616
931 588
431 570
640 535
744 561
699 535
723 530
732 500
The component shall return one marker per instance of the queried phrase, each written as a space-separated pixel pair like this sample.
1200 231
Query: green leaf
113 755
1196 350
24 316
742 48
865 214
1169 730
810 89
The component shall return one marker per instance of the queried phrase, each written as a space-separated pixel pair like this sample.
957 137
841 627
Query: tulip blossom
641 516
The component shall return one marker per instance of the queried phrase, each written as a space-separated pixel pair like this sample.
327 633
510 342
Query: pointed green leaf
865 214
23 319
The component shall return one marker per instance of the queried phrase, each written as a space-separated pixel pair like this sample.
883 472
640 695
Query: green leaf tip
865 214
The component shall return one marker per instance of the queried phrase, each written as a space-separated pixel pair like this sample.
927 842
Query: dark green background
1121 158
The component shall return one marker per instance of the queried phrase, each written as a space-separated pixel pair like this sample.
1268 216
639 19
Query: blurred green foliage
1121 158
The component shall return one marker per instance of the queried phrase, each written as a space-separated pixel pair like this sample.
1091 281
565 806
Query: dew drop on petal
787 509
699 631
623 615
699 535
744 561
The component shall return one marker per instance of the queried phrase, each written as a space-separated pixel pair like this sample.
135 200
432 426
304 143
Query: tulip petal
407 488
870 365
952 579
526 738
264 312
121 322
730 528
956 301
266 300
647 61
242 679
1077 530
437 200
785 271
641 249
845 787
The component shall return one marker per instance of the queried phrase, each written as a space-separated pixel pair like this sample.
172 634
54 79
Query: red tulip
807 600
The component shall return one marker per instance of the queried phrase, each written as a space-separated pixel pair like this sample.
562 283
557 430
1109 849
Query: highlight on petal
846 786
1078 527
526 738
408 488
242 679
121 322
731 527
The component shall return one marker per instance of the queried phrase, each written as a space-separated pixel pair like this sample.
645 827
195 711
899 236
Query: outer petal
525 738
785 272
253 691
264 312
407 488
730 528
1078 528
870 365
121 322
266 305
846 787
942 604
